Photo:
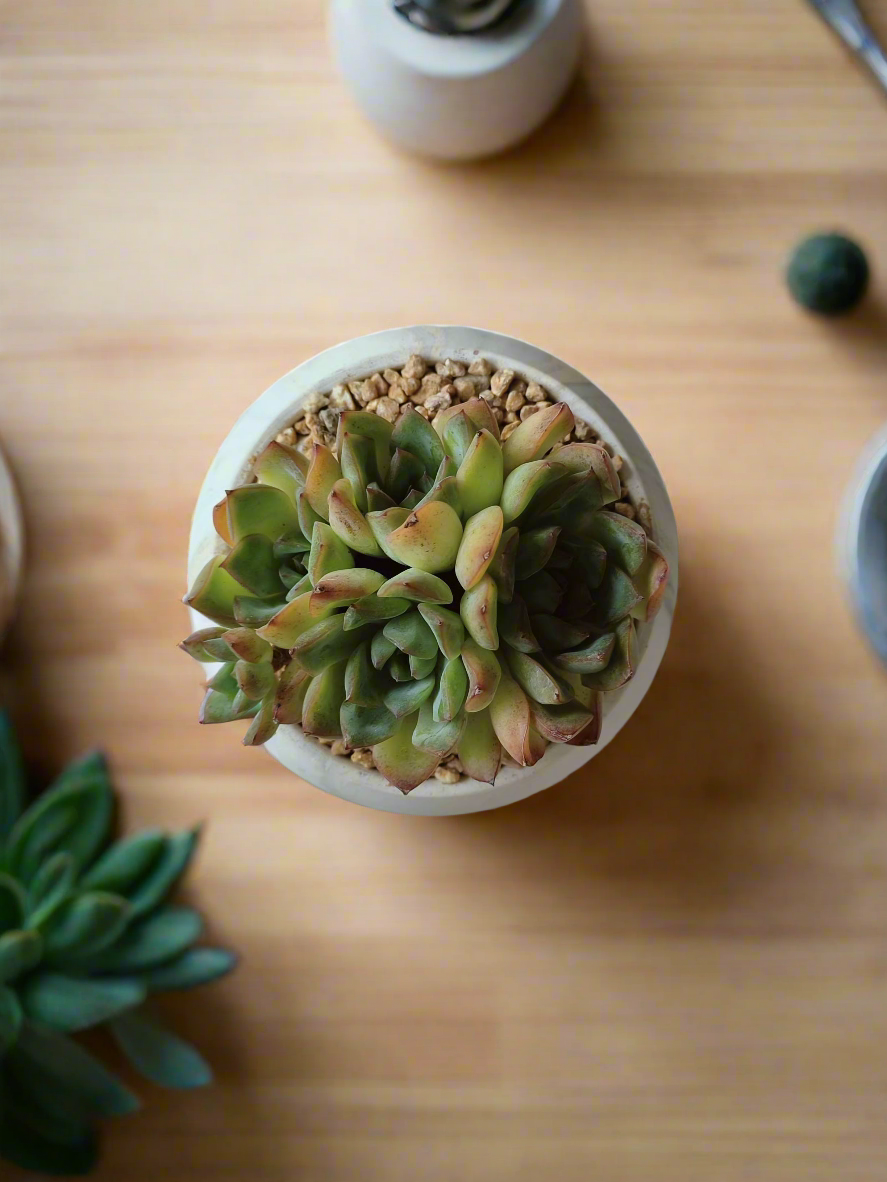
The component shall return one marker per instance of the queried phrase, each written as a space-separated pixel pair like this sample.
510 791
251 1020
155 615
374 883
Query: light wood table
672 967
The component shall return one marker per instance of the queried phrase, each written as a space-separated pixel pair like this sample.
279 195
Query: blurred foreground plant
86 935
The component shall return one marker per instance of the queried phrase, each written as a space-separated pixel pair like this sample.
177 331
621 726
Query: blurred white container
457 97
276 408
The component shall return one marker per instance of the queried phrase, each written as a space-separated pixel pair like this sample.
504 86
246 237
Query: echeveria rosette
86 937
423 590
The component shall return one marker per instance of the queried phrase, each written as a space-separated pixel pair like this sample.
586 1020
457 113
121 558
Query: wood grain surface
671 968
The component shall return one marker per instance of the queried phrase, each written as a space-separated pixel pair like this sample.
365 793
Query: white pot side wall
275 410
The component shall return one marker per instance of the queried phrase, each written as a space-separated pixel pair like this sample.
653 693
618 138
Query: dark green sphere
828 274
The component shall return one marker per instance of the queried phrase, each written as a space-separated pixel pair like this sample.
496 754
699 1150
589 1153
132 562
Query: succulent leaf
438 738
260 509
480 752
624 540
414 434
479 612
372 428
593 658
355 458
537 435
448 629
348 523
480 540
484 671
341 588
289 698
621 664
371 610
510 716
524 483
282 467
537 682
323 473
364 726
650 581
325 643
214 592
535 549
503 567
381 650
422 666
452 690
481 474
289 623
515 627
400 761
412 635
407 696
324 699
428 539
417 585
361 680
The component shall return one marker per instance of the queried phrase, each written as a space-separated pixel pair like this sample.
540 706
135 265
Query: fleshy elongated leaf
12 777
405 473
344 587
328 553
225 706
650 581
307 517
411 500
510 716
247 646
373 428
480 540
197 966
537 682
452 690
381 650
165 873
290 623
502 568
73 816
10 1018
253 563
525 483
323 702
541 592
555 634
213 593
417 585
457 432
422 666
480 477
323 472
126 862
385 523
480 752
414 434
282 467
621 665
13 904
292 685
591 658
207 645
447 626
19 953
355 458
347 521
264 725
159 938
361 680
372 610
402 763
362 726
428 539
220 521
534 550
570 723
49 887
325 643
537 435
377 499
292 545
250 612
299 587
591 559
515 627
484 671
260 509
438 738
77 1003
624 540
444 489
84 925
479 609
412 635
255 681
616 597
585 458
399 667
407 696
64 1061
159 1055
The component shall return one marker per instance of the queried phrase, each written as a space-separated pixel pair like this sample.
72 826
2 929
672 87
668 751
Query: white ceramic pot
457 98
862 543
275 410
12 545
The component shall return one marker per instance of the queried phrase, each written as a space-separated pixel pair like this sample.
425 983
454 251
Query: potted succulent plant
441 552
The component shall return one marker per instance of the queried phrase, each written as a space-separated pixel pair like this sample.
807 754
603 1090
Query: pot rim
275 409
861 542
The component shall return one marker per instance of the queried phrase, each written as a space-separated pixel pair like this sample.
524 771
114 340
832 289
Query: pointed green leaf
591 658
65 1062
399 667
515 627
385 523
405 473
541 592
169 867
344 587
355 458
480 541
325 643
373 428
480 752
526 483
323 472
162 1057
13 904
328 553
537 435
10 1019
412 635
414 434
291 622
616 598
452 689
77 1003
361 680
422 666
537 681
260 509
437 738
510 716
481 474
479 610
484 671
159 938
19 953
407 696
84 925
307 517
126 862
502 568
417 585
535 548
624 540
620 668
323 702
363 726
197 966
372 610
12 777
250 612
428 539
264 725
554 634
213 593
282 467
292 686
255 681
561 724
650 581
447 626
402 763
207 645
377 499
253 564
381 650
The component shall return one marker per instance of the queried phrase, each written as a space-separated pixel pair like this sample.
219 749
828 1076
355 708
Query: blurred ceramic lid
11 544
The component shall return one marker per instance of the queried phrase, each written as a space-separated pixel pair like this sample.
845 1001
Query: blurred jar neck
457 17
